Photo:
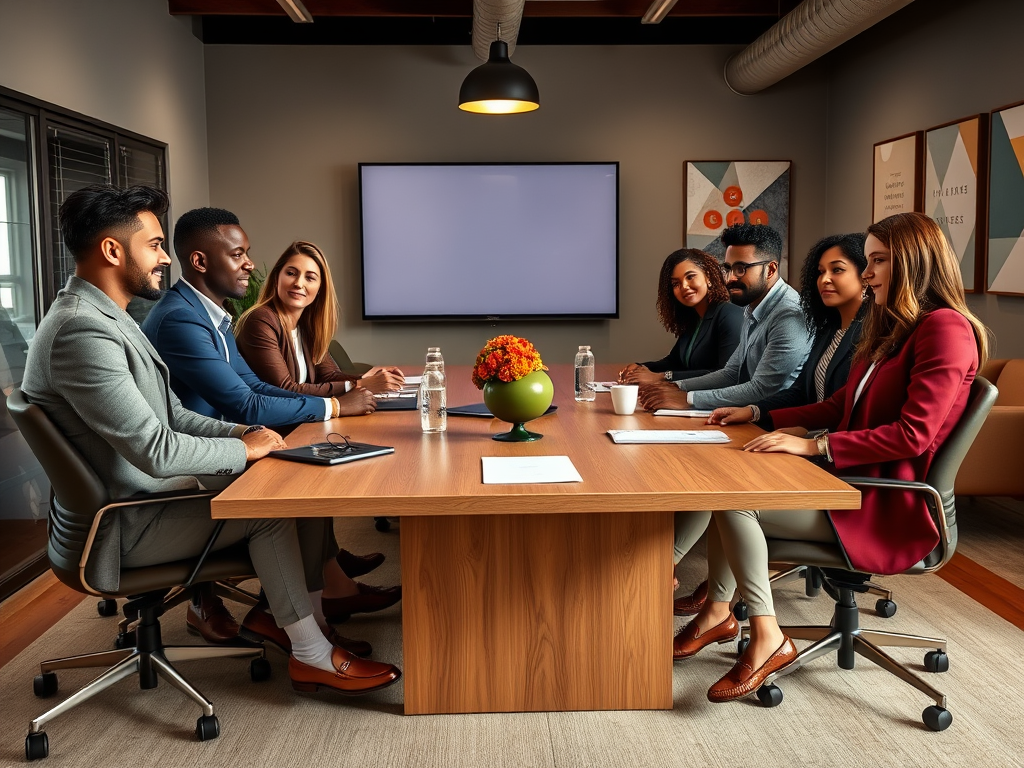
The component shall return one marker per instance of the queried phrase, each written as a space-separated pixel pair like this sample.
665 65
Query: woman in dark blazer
909 383
693 304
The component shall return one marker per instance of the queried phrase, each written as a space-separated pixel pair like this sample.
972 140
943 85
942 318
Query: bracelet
254 428
755 413
668 375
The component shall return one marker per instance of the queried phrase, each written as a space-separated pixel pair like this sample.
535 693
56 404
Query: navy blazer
802 391
717 337
181 330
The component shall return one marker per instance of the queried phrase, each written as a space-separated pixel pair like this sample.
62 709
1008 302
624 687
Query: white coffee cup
624 398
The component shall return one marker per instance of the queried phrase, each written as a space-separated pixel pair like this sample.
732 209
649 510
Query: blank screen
489 240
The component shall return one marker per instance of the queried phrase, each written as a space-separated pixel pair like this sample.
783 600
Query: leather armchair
79 505
993 466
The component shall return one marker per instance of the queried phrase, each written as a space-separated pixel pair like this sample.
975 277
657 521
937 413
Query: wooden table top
441 474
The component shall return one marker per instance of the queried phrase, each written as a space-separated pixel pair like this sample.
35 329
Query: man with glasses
774 341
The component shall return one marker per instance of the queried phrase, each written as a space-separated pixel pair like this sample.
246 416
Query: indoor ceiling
449 22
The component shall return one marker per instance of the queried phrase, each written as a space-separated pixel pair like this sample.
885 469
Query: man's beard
748 295
140 283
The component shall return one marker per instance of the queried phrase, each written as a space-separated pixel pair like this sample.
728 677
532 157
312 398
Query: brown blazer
268 351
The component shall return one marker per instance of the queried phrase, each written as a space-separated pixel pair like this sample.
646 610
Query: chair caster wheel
740 611
124 640
37 746
885 608
936 661
44 685
106 607
741 646
207 727
259 670
769 695
382 524
937 718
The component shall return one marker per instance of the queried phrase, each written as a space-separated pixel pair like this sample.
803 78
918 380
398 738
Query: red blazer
268 351
910 404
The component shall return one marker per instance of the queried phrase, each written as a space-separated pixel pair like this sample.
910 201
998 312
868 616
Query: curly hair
678 318
766 241
816 315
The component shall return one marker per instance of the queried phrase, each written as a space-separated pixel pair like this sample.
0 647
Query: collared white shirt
217 314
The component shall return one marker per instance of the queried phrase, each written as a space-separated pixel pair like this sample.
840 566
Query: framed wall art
895 178
718 194
956 189
1005 260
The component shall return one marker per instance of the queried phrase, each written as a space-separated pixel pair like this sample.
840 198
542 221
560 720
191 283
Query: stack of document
691 412
668 436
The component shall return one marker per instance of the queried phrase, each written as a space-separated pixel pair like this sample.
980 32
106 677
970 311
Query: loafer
687 605
742 679
351 676
369 599
358 565
260 627
689 640
211 620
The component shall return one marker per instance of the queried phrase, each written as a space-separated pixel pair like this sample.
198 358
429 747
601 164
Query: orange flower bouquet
506 358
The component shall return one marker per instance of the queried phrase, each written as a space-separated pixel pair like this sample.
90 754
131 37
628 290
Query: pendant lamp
498 87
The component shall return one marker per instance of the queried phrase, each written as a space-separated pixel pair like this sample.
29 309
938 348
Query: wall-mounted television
489 241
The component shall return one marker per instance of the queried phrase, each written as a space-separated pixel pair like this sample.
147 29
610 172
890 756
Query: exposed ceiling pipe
487 15
809 31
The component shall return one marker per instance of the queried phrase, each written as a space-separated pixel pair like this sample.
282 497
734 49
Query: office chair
79 505
844 634
340 356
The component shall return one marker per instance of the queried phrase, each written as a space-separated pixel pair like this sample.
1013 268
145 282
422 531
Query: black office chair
844 634
340 356
79 505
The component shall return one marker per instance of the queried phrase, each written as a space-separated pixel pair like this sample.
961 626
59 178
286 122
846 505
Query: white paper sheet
691 412
604 386
503 470
413 380
668 436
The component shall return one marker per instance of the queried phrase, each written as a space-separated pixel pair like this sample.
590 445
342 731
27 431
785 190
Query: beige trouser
738 551
287 554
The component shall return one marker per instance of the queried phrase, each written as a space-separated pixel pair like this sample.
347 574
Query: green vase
517 402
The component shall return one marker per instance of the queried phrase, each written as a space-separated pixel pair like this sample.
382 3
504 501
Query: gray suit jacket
97 377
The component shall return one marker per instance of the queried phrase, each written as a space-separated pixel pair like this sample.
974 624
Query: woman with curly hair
693 304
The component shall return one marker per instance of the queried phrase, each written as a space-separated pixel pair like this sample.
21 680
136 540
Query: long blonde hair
319 320
925 276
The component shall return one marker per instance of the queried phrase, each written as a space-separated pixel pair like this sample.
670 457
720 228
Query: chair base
150 659
845 636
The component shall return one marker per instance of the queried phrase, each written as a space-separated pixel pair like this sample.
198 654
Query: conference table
533 597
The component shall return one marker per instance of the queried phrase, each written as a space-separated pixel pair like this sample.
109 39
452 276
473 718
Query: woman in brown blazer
286 335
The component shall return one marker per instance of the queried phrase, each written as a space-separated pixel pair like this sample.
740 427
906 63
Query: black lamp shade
498 86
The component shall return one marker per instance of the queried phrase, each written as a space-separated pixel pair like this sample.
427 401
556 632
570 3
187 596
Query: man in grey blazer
100 381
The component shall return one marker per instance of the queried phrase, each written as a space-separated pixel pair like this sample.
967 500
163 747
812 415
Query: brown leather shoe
369 599
211 620
689 639
357 565
351 676
687 605
742 679
260 627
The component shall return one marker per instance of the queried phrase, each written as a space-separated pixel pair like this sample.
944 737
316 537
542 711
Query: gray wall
288 125
126 62
934 61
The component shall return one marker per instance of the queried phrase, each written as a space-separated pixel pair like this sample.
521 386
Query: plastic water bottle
585 375
433 393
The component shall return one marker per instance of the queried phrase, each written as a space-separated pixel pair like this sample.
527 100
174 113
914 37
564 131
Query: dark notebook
329 453
396 403
479 409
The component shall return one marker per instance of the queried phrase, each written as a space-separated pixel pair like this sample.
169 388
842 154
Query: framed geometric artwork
718 194
1005 263
956 188
895 179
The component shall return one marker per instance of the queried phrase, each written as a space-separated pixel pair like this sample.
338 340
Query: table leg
533 613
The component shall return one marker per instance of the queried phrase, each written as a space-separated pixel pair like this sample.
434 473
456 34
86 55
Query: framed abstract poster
895 179
1005 263
720 193
956 188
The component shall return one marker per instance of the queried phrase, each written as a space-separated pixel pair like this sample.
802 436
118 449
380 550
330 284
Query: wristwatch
824 449
254 428
668 375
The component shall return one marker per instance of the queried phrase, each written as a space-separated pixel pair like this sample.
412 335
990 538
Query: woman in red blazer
908 386
285 336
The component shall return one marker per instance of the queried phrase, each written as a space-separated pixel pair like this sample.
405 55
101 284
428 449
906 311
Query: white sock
309 644
318 608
